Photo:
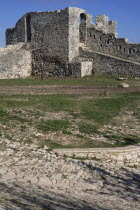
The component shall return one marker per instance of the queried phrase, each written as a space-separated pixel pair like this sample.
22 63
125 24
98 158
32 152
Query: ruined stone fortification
15 61
67 43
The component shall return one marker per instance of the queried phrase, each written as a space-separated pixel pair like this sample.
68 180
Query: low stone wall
15 61
128 156
110 65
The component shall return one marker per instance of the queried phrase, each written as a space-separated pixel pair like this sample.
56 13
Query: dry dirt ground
59 89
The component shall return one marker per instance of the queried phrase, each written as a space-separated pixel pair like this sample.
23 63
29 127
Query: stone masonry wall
55 38
48 66
17 34
44 65
50 32
15 61
109 44
74 30
45 30
109 65
129 156
103 24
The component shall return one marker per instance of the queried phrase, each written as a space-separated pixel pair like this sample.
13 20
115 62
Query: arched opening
82 27
82 18
28 28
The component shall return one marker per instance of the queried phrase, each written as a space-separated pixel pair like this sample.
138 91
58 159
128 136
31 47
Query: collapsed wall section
17 34
103 24
15 61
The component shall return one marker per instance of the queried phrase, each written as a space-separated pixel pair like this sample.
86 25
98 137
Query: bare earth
59 89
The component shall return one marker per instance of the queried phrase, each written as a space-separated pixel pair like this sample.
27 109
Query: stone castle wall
56 37
50 32
47 66
44 30
49 42
15 61
103 24
109 44
79 19
110 65
17 34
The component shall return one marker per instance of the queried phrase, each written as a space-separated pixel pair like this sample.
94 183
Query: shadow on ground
124 186
18 197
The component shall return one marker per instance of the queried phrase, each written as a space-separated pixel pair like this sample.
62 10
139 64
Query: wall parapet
128 156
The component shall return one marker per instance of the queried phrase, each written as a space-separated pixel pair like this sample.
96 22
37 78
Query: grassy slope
88 115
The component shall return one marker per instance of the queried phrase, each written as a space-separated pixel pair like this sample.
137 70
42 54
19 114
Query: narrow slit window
28 28
119 47
133 50
107 41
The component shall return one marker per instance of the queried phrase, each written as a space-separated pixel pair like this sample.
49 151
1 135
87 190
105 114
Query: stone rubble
124 85
33 172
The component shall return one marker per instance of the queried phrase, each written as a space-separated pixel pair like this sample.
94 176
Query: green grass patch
88 128
128 140
67 132
93 80
121 141
3 113
53 125
44 103
51 144
88 115
102 110
5 117
17 118
58 103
